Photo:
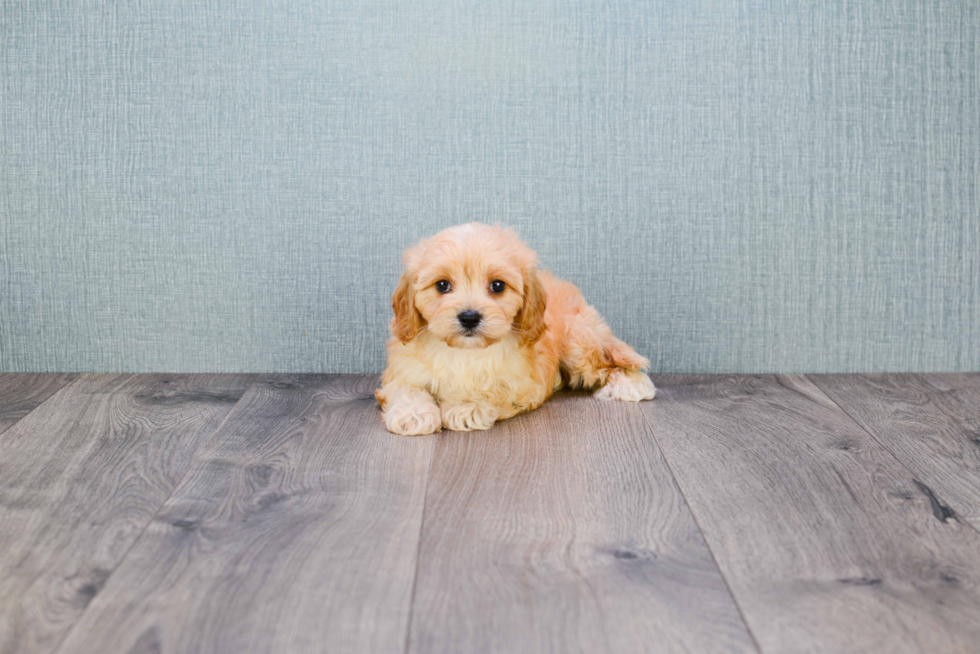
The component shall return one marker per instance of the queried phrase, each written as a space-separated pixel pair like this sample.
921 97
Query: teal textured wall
738 186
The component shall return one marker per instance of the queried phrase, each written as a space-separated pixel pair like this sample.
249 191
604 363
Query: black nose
469 319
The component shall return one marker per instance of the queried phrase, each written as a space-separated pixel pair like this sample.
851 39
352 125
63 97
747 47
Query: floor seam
68 383
704 539
915 477
155 513
418 547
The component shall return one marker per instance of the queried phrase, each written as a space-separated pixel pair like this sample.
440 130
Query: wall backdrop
738 186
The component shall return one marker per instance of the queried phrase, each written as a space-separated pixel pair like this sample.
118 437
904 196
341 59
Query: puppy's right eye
442 286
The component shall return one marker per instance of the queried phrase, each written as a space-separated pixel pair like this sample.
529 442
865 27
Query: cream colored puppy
480 335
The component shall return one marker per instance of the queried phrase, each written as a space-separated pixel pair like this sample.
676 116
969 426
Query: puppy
480 335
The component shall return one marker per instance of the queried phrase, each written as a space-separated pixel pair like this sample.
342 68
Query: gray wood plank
296 530
947 381
80 477
21 393
562 531
931 423
825 539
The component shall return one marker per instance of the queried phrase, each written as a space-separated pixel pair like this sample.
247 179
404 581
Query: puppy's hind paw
626 386
467 416
414 419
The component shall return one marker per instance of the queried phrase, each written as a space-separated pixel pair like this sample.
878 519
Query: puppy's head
470 286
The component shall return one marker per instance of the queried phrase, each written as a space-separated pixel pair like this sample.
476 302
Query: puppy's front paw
413 419
466 416
626 387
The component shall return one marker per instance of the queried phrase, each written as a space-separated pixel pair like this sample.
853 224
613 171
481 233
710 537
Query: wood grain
828 543
80 477
295 531
947 381
931 423
562 531
21 393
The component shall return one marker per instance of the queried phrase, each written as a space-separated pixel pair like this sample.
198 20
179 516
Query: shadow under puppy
480 334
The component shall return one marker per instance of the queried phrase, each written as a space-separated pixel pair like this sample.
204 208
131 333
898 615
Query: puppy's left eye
497 286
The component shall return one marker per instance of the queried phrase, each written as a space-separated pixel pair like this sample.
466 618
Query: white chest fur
500 372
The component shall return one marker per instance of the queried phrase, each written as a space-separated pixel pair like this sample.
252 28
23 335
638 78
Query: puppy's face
470 286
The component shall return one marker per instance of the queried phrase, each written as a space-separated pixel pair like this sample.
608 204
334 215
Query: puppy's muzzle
470 320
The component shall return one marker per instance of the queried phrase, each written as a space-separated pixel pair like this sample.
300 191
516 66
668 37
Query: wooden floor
241 513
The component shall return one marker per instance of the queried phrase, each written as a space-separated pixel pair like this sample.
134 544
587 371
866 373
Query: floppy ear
408 321
530 319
